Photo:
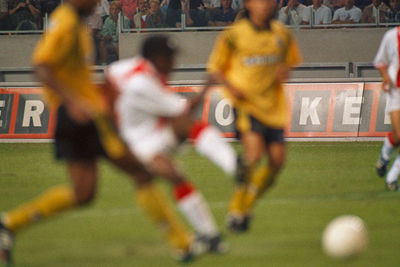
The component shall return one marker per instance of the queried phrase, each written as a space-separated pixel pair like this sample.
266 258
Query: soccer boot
6 244
238 224
393 186
381 166
217 245
198 247
213 244
184 257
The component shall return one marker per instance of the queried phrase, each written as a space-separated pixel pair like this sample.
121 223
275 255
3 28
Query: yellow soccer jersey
249 59
67 48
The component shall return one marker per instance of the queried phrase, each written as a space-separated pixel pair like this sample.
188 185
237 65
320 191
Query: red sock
390 138
183 190
195 130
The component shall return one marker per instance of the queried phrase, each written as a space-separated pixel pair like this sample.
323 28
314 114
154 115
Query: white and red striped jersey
143 103
389 53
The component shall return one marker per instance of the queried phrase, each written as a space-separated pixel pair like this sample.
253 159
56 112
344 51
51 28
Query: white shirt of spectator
95 20
342 14
293 17
323 15
103 8
212 3
388 54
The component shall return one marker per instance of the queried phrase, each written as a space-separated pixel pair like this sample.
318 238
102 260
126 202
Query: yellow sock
236 206
51 201
260 179
155 203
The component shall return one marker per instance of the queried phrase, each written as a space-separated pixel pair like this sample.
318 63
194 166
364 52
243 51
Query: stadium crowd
29 15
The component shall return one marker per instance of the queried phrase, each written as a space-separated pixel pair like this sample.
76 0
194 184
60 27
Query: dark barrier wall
316 110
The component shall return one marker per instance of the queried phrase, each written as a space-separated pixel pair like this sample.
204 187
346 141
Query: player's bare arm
76 109
386 82
283 73
219 78
195 101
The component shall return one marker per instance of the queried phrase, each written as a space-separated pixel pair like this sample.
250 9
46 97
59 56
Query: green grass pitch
319 182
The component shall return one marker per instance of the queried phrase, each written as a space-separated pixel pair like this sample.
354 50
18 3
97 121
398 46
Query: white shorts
393 100
161 141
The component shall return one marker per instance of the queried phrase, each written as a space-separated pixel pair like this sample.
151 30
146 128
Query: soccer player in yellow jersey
84 131
251 60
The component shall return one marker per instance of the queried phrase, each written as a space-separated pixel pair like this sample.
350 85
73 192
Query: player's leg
387 150
239 211
392 140
264 175
77 144
54 200
393 175
207 140
190 202
84 180
154 202
154 150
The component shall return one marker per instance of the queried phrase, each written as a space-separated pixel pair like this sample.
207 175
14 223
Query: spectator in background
47 6
361 4
237 5
3 15
212 4
174 13
348 14
140 18
129 8
109 37
223 16
393 13
193 10
164 6
95 23
292 13
157 18
317 13
371 12
103 8
333 4
24 14
197 14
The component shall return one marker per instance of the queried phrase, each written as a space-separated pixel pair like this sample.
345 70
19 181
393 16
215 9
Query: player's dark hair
158 45
246 14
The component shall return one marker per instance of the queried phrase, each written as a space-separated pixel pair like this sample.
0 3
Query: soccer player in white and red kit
387 62
154 122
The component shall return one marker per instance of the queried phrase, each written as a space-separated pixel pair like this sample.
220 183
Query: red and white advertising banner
316 110
24 115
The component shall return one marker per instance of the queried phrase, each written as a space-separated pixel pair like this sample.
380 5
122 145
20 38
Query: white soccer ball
345 237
